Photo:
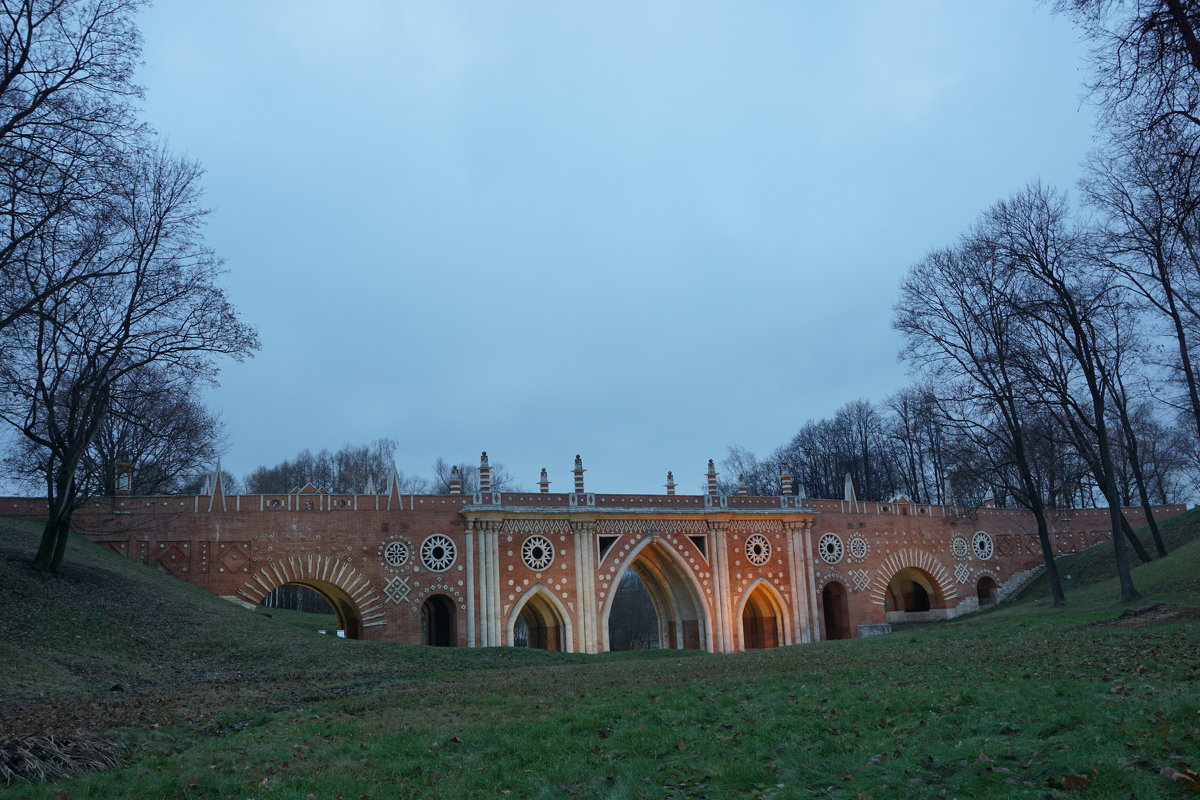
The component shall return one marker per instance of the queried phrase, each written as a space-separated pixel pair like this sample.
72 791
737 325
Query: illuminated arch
924 564
767 624
349 592
678 599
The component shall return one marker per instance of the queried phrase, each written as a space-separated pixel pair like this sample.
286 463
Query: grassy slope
217 702
1098 564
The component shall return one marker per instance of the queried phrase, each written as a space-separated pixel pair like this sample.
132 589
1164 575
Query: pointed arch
548 621
349 592
762 617
684 618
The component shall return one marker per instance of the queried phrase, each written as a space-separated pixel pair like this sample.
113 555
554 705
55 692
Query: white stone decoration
395 553
396 590
758 549
830 548
859 547
959 546
537 553
981 543
961 573
861 578
438 553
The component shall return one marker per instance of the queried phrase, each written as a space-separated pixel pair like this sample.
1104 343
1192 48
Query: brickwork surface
724 573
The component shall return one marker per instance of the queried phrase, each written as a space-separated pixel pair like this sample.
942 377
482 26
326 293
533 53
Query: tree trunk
1056 588
1135 542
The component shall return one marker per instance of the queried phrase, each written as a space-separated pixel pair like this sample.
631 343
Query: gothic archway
676 597
539 621
763 618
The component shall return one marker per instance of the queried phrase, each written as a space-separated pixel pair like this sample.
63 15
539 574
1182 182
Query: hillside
195 697
1098 564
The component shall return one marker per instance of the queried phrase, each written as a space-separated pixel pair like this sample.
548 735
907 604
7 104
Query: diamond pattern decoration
234 556
861 579
961 573
173 558
397 590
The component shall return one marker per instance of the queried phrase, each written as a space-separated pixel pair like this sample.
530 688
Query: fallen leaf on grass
1073 783
1185 777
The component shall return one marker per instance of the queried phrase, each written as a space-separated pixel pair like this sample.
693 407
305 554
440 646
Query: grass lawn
199 698
315 623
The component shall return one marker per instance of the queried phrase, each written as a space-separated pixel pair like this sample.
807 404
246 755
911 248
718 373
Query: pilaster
588 623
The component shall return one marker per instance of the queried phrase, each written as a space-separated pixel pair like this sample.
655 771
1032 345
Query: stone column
587 616
471 616
801 591
718 540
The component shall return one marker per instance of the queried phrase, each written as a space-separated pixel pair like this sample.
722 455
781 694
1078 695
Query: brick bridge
724 572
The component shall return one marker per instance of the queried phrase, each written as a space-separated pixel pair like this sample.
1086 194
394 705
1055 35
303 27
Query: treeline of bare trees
110 309
366 469
1054 346
908 446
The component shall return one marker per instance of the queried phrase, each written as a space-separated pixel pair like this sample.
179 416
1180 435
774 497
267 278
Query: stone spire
785 480
393 487
485 474
578 471
455 480
216 498
712 478
544 482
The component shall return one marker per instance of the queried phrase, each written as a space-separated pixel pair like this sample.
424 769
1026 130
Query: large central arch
348 592
683 618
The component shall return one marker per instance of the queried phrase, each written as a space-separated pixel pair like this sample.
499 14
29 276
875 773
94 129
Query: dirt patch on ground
1148 614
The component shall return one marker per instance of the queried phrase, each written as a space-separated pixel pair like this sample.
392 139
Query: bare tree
1148 200
158 305
501 479
160 429
1146 61
66 70
960 330
350 469
1076 314
741 467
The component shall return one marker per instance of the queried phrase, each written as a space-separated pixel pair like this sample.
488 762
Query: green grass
1098 564
1022 701
324 623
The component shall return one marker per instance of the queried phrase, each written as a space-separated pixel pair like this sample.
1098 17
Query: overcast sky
639 231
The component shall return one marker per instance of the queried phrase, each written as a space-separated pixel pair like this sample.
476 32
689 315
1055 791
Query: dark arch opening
760 621
539 625
836 611
679 612
911 591
632 621
437 621
988 591
318 598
